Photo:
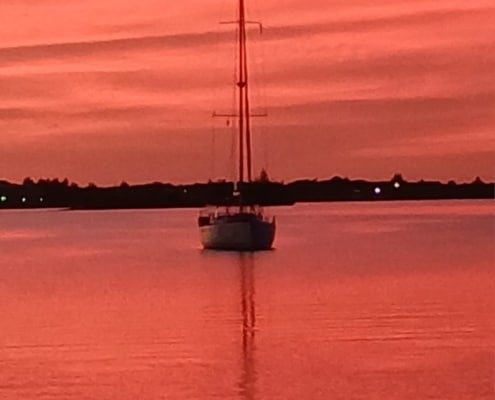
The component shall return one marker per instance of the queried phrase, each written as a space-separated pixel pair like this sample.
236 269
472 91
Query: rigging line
248 135
213 143
233 146
233 140
217 140
247 113
249 97
264 101
211 175
266 155
262 91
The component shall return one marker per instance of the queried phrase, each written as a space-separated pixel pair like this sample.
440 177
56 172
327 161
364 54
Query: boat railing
213 213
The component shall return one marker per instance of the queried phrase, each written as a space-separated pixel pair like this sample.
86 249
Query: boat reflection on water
247 381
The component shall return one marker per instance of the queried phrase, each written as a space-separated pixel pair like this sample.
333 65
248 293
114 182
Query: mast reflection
248 308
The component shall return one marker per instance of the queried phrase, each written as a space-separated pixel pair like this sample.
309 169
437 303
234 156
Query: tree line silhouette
55 193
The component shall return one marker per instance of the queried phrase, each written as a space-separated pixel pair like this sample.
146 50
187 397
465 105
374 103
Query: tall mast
244 112
247 110
241 84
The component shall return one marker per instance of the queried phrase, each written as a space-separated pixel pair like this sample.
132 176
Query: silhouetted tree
398 178
263 176
28 182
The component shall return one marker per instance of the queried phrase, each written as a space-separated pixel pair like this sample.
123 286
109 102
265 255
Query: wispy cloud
354 85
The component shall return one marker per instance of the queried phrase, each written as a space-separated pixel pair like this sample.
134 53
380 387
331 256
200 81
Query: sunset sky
104 90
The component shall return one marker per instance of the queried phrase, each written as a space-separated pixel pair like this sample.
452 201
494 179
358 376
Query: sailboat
242 226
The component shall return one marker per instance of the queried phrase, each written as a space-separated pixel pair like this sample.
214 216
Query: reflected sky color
110 90
124 304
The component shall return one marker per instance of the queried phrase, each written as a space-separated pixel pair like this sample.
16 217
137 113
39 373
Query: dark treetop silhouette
63 194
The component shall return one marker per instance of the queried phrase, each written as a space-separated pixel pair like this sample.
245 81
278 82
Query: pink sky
106 90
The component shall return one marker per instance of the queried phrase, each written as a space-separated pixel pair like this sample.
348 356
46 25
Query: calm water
358 301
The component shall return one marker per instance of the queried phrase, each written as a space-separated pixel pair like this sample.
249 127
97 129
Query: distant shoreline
65 195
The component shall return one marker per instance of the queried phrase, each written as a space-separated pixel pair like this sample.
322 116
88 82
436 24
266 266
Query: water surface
358 301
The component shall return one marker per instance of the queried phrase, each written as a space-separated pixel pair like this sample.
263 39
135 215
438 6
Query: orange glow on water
124 304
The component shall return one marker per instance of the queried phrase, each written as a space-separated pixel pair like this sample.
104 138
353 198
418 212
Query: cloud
427 18
418 115
108 47
367 87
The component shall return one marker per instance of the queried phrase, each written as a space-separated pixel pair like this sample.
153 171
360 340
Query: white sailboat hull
240 235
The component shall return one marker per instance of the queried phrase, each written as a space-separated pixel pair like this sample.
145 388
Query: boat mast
244 112
247 113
